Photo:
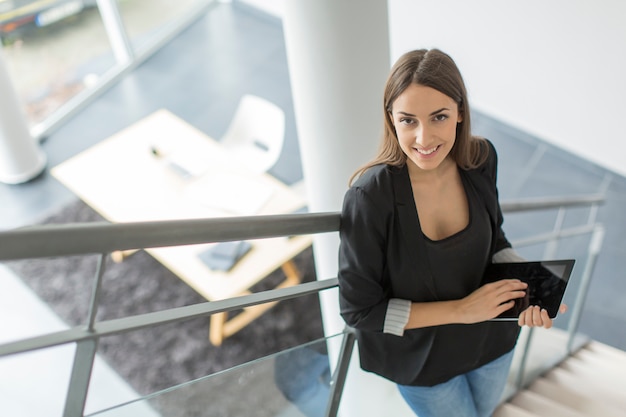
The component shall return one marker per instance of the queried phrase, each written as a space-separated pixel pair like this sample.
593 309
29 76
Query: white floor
35 383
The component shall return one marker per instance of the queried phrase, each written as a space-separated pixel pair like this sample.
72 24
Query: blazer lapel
485 189
411 230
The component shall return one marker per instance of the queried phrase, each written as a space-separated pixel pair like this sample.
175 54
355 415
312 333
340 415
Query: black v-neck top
457 261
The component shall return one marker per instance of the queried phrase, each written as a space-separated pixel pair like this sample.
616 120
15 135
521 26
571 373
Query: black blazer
382 256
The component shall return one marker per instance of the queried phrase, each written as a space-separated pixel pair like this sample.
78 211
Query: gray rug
160 357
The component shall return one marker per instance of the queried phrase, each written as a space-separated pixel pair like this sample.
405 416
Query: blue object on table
224 255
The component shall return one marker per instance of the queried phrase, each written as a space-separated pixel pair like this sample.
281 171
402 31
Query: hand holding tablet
547 281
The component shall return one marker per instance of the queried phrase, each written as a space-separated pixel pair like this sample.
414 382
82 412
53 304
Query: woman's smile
427 152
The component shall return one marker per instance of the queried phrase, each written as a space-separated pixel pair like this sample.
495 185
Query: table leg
222 328
216 328
119 255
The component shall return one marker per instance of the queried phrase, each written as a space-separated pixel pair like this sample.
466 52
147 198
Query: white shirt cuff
506 255
397 316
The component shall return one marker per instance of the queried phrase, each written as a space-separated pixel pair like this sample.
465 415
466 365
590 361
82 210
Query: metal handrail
544 203
157 318
103 238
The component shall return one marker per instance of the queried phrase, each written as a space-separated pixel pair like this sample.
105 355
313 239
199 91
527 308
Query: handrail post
85 355
553 244
79 380
95 295
519 382
339 378
595 246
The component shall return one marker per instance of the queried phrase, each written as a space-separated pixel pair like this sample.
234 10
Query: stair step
590 383
581 402
543 406
583 386
612 380
596 372
512 410
610 353
604 362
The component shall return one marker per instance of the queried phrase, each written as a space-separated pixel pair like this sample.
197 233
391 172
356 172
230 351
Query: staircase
591 382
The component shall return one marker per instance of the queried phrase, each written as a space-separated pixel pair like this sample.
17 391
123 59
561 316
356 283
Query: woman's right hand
490 300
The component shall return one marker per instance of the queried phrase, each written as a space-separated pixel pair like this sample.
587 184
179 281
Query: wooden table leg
222 328
216 328
119 255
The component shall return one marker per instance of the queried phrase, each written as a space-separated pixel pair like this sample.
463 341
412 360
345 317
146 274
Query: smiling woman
419 226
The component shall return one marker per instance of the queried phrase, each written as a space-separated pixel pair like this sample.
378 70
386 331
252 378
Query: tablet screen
546 281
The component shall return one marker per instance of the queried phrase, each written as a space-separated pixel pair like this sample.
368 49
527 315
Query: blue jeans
303 376
474 394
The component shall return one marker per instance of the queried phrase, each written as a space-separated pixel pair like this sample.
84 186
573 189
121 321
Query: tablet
224 255
547 281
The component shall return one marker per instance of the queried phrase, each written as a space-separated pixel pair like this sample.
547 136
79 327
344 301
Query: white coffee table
135 176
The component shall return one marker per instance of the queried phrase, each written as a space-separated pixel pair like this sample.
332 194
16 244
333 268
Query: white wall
555 69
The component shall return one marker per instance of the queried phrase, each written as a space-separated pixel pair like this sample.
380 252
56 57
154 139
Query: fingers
534 316
508 292
545 320
508 289
504 293
509 284
504 307
490 300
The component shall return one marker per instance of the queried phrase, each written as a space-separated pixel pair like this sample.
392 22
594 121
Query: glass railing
294 383
241 383
568 228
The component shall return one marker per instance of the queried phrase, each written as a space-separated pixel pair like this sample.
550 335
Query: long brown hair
431 68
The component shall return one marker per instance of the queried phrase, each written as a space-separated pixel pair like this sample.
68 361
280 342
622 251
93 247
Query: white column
338 56
21 159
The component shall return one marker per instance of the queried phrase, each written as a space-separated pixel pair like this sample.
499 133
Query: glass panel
292 383
45 373
146 21
54 50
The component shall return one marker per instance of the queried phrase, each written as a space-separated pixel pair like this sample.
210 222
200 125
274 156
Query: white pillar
339 58
21 159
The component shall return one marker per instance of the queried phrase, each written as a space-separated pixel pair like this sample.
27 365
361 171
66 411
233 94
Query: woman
419 226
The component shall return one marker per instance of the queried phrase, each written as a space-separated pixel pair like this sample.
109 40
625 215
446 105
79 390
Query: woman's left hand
534 316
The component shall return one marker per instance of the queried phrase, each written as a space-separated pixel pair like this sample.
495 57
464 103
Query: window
57 51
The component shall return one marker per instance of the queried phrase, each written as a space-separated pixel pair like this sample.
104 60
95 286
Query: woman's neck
431 178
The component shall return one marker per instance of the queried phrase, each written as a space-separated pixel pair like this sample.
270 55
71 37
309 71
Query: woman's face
425 121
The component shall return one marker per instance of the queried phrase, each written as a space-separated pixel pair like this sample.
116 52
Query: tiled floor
204 88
